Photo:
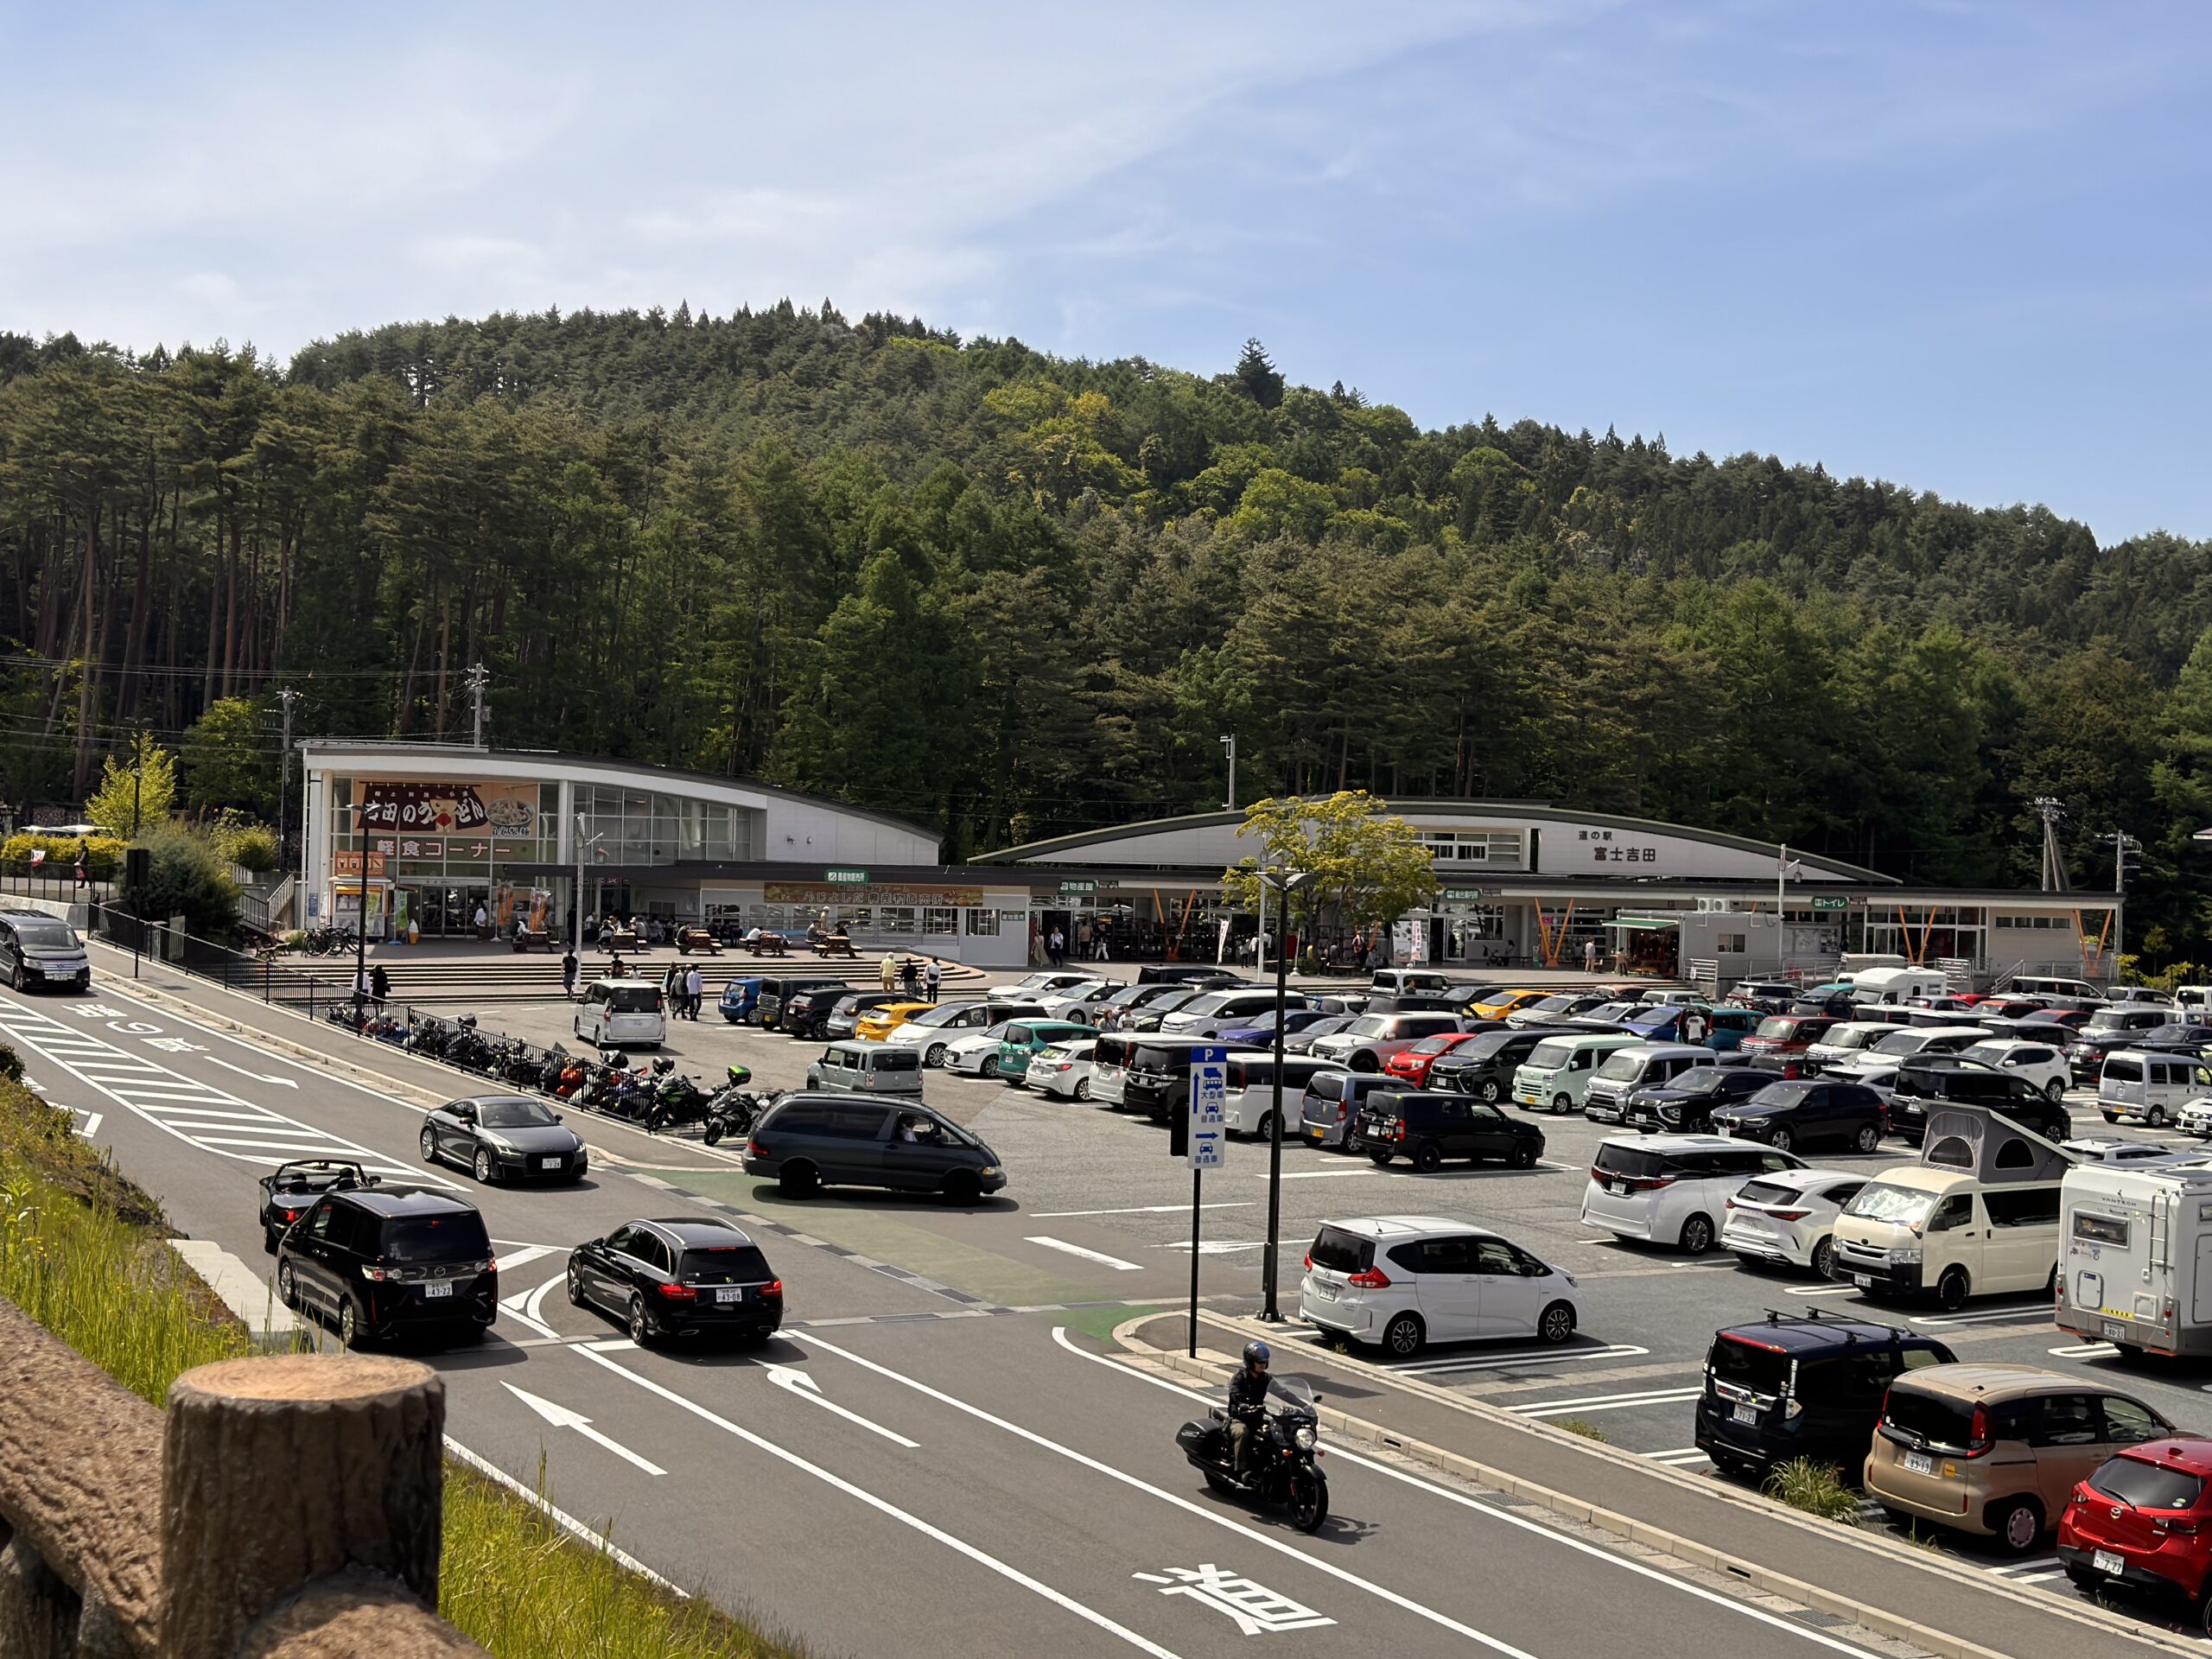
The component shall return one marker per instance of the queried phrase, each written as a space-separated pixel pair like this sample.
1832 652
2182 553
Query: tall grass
84 1253
1815 1488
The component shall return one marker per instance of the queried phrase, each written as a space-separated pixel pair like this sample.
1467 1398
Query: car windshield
1777 1028
514 1114
456 1237
1549 1057
1849 1037
48 936
1175 1001
1880 1201
2145 1485
1211 1002
1333 1022
1621 1066
1901 1042
1432 1046
1988 1054
1698 1079
1553 1005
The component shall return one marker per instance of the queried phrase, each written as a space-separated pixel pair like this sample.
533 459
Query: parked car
1412 981
806 1141
1250 1101
1781 1040
805 1012
1151 1016
1108 1014
843 1019
1025 1038
2098 1151
378 1262
684 1277
621 1014
1764 995
289 1191
1929 1080
1427 1126
1944 1233
976 1053
1214 1012
1788 1219
2041 1064
1329 1110
1842 1042
42 952
1684 1104
1998 1450
1807 1112
2150 1089
2093 1044
1157 1080
2144 1520
504 1138
1910 1043
1075 1003
1484 1064
856 1068
776 989
1558 1069
1183 973
876 1025
1260 1031
1403 1281
1788 1387
1411 1066
934 1030
1495 1004
2125 995
1301 1040
1372 1038
740 1003
1062 1070
1621 1073
1565 1005
1673 1189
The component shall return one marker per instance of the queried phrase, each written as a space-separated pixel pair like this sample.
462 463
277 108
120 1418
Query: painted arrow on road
561 1417
798 1383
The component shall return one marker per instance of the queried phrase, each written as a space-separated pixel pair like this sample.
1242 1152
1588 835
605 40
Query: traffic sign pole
1197 1184
1208 1114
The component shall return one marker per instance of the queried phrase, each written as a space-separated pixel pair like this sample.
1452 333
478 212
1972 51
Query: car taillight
754 1149
1309 1261
1397 1131
1789 1215
1373 1279
376 1275
774 1287
2181 1528
679 1292
1978 1435
291 1216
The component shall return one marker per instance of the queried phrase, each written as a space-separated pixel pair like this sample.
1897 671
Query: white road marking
1605 1403
90 1126
2086 1351
533 1309
1757 1615
1312 1174
2037 1564
1529 1357
182 1107
1142 1210
1988 1316
1215 1246
1827 1290
561 1417
1266 1540
1061 1244
523 1256
282 1082
594 1352
800 1386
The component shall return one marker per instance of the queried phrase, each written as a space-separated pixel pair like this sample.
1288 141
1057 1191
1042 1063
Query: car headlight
1302 1436
497 1143
1905 1255
989 1169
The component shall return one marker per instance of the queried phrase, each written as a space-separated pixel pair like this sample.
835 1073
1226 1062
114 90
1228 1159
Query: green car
1028 1037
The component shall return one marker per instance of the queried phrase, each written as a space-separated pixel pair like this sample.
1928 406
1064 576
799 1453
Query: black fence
312 983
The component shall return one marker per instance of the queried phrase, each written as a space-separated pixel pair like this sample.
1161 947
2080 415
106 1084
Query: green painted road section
885 1236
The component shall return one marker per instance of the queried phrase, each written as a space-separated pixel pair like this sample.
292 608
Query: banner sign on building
817 893
443 808
1830 901
1208 1107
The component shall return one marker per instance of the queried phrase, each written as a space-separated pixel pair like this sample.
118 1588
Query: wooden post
38 1611
279 1472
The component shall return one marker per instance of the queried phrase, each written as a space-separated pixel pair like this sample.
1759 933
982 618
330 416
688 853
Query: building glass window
982 923
940 921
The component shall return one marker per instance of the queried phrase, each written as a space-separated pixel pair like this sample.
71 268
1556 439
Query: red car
2144 1520
1780 1042
1413 1063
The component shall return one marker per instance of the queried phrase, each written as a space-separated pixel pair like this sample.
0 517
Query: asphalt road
940 1455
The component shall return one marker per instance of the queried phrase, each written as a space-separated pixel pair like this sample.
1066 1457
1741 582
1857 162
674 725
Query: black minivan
1429 1126
1808 1386
808 1141
380 1262
776 990
1484 1065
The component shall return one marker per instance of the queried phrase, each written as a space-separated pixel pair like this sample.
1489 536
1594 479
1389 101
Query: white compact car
976 1053
2043 1065
1673 1189
1062 1070
2195 1118
1840 1044
934 1030
1403 1281
1789 1218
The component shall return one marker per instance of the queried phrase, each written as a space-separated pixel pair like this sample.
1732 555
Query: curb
1878 1619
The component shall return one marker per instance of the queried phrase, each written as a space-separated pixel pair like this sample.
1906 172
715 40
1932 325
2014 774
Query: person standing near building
886 972
1695 1025
694 988
568 974
483 923
1590 955
379 986
932 976
1056 948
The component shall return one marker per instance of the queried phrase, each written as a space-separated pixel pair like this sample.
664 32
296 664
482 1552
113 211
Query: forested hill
1015 594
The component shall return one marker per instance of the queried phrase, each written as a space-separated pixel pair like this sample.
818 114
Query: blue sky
1960 246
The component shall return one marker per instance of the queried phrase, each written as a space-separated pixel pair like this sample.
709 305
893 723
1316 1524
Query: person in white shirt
694 988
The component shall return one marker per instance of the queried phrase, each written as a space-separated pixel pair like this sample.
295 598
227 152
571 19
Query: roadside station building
433 831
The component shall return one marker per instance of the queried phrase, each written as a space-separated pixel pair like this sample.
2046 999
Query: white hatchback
1673 1189
976 1053
1403 1281
1789 1218
2041 1064
1062 1070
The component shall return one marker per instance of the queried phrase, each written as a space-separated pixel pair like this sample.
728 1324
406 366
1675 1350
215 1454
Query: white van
2193 1000
1840 1044
2139 1083
1890 987
1558 1069
2137 1270
1604 1099
1901 1042
2026 985
1251 1092
621 1014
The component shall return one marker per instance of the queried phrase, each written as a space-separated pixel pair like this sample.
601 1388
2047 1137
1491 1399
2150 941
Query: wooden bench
837 946
769 944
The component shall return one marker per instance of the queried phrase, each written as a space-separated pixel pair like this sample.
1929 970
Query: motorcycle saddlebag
1201 1440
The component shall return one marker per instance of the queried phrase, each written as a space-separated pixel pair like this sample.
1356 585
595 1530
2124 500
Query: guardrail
282 1508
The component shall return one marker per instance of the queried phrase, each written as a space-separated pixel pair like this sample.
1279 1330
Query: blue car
1724 1028
1261 1034
740 1003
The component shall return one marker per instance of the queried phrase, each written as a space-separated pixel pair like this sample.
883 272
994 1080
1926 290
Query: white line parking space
200 1113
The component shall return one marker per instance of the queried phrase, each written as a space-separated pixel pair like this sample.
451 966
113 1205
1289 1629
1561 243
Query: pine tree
1256 377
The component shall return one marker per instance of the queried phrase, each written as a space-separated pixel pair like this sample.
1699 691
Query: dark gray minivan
808 1141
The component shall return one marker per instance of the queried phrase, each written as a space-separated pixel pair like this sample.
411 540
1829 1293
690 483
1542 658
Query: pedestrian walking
568 974
695 986
483 923
1056 948
1693 1026
379 986
932 976
1590 955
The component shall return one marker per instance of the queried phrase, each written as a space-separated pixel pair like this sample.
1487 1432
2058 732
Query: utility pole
2122 845
1229 742
2051 810
479 680
1285 882
285 699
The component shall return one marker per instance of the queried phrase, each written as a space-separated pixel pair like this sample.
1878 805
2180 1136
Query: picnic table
836 945
688 939
539 938
621 939
768 945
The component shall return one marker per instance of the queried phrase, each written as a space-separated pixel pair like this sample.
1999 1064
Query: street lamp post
361 920
576 899
1285 882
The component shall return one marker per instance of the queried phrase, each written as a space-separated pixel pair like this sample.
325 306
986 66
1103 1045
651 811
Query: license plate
1864 1281
1327 1292
2114 1332
729 1294
549 1163
1919 1463
2105 1561
435 1290
1747 1414
1314 1134
1618 1189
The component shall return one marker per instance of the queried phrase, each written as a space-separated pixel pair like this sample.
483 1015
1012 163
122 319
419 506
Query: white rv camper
2135 1263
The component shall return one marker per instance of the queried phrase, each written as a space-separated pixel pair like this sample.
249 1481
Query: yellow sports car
879 1023
1498 1004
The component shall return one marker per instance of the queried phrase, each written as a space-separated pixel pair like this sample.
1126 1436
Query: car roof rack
1830 1317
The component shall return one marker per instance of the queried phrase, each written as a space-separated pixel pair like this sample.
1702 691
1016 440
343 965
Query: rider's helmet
1256 1356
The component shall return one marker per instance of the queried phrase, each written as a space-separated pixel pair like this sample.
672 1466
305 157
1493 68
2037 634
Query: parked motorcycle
1285 1462
676 1101
733 1109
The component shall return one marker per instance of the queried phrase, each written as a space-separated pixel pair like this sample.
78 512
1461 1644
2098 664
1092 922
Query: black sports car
503 1137
292 1191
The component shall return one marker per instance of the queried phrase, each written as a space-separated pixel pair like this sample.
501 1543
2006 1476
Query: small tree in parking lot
1368 867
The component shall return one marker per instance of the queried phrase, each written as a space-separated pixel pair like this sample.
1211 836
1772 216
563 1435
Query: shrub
1815 1488
248 845
103 854
188 878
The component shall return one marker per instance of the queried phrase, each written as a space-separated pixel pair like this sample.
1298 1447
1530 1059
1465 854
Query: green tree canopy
139 791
